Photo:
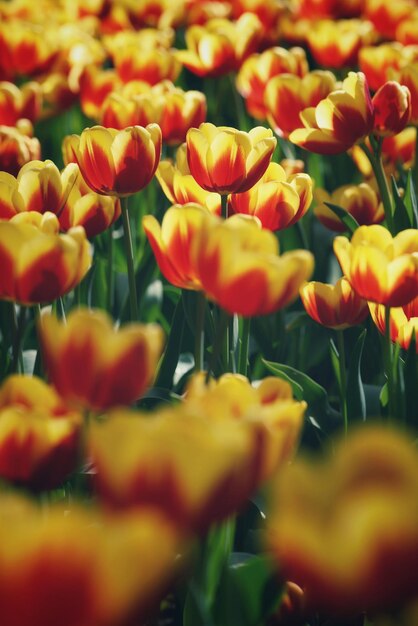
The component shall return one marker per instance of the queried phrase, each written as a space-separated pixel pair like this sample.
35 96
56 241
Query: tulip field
208 313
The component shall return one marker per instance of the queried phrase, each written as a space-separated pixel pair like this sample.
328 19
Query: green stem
224 206
244 345
343 378
17 343
221 345
129 260
389 366
375 159
242 119
199 342
110 275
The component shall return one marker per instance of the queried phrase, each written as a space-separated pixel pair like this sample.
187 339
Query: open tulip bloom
208 313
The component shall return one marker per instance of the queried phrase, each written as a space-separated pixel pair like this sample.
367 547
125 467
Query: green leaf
401 216
410 200
250 591
170 359
356 399
99 284
347 219
335 361
275 368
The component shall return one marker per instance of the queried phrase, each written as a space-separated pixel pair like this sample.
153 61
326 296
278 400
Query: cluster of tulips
208 313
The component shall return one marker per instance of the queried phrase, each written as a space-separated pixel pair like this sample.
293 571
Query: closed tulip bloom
39 264
403 322
39 186
342 119
277 200
148 65
17 103
220 46
17 147
39 435
227 160
377 61
360 201
118 163
173 109
392 109
335 306
337 526
172 242
258 69
381 268
239 268
94 366
408 77
336 44
179 185
286 96
81 567
95 85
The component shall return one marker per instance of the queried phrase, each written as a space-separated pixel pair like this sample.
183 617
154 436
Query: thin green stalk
343 378
224 206
110 275
389 367
244 345
17 343
375 159
133 302
199 342
242 118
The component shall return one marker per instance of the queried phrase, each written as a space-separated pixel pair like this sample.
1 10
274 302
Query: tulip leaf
347 219
250 591
410 201
170 358
335 361
356 399
99 284
401 217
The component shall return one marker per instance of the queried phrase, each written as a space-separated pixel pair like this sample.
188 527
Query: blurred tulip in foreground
80 567
360 201
118 163
228 160
94 366
39 435
381 268
239 268
342 119
339 526
39 264
277 200
335 306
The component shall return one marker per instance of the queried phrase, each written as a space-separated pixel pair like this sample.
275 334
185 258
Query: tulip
150 66
379 267
360 201
196 462
407 76
26 49
342 119
39 436
239 268
81 567
220 46
335 306
179 185
172 242
269 12
227 160
403 322
39 264
258 69
338 524
118 163
173 109
377 61
17 147
392 109
286 96
277 201
94 366
95 85
336 44
16 103
386 17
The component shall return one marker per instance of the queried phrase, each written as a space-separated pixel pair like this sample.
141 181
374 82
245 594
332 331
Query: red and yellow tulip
227 160
94 366
342 119
381 268
39 264
392 109
403 322
277 200
17 103
118 163
335 306
360 201
17 147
